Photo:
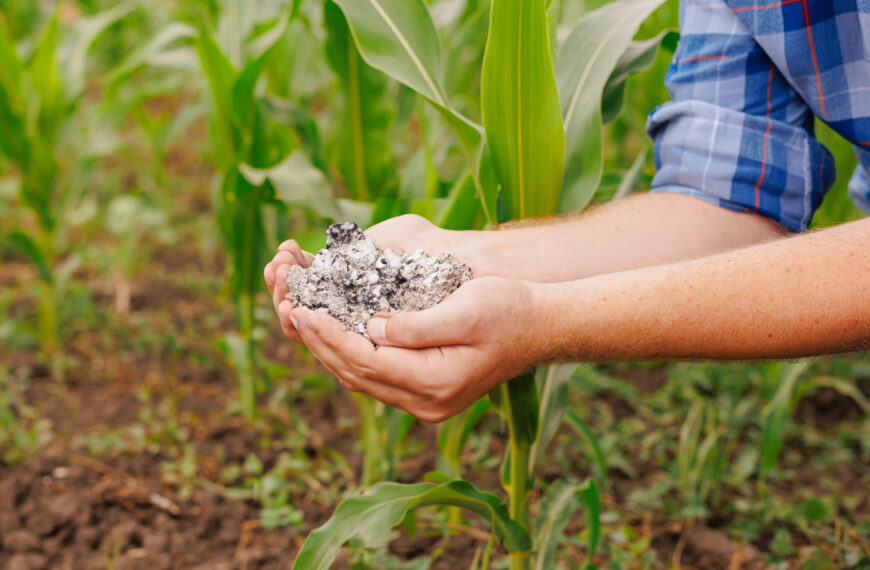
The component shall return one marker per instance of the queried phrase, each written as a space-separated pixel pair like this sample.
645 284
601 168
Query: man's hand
409 233
433 363
275 274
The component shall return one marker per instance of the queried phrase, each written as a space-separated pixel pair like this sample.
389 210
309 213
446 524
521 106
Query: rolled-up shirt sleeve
736 133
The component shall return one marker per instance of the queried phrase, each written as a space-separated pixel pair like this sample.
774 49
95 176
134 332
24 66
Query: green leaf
775 417
558 504
399 38
520 107
371 516
363 156
13 143
519 404
303 124
593 447
25 244
298 183
45 76
221 77
453 434
74 51
554 402
246 83
589 497
631 178
152 52
583 66
11 68
638 57
461 210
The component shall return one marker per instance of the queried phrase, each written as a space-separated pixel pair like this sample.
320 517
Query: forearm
802 296
640 231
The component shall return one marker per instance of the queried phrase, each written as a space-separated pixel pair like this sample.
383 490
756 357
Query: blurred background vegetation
154 154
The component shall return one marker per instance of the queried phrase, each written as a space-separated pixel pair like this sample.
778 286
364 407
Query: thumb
445 324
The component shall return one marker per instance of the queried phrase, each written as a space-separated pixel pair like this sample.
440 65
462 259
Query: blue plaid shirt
747 80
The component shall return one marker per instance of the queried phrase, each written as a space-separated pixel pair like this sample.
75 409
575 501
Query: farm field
152 414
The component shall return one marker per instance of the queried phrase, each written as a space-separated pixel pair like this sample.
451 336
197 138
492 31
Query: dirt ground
91 499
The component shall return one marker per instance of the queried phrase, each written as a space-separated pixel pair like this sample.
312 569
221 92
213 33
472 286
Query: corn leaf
461 209
11 68
776 415
593 448
583 66
298 183
558 505
631 178
13 143
363 158
399 38
453 434
45 76
74 50
371 516
153 52
638 57
221 77
553 385
288 113
520 107
518 401
25 245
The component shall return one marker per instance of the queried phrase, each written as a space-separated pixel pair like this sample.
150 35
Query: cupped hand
275 274
433 363
409 233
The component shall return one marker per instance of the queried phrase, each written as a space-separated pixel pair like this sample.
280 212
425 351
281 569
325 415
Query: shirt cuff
740 161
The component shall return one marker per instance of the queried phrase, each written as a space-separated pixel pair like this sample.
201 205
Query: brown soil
73 507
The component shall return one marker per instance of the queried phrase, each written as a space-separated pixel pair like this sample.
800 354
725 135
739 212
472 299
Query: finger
346 371
396 367
302 258
452 322
287 320
279 293
281 258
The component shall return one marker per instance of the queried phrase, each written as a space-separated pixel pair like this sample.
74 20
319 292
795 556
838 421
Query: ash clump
352 279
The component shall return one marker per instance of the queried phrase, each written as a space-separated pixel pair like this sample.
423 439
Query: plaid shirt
747 80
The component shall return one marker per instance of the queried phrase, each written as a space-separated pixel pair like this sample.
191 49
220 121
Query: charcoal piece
352 279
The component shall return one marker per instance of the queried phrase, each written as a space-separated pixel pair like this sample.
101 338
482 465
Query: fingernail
310 321
377 328
295 323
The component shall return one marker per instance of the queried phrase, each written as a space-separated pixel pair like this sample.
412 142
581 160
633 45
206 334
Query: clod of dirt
352 279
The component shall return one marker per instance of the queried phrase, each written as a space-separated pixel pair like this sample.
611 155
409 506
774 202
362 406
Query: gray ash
352 279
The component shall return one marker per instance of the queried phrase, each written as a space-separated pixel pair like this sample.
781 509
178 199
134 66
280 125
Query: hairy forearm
801 296
640 231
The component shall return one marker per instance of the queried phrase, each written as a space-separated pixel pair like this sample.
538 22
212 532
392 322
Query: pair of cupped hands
432 363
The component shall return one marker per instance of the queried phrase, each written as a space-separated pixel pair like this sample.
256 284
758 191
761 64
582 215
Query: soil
87 501
75 505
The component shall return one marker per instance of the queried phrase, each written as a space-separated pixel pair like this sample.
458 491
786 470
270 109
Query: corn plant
537 151
257 145
40 93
